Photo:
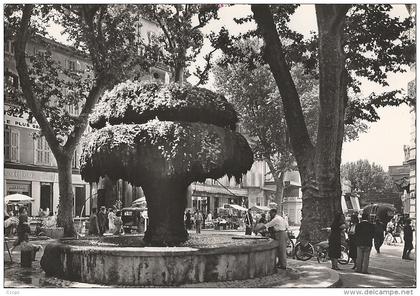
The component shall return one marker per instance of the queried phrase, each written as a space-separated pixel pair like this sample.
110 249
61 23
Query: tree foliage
373 50
181 36
255 96
366 177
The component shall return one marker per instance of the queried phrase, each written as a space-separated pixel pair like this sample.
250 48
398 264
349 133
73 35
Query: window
73 109
11 145
150 37
42 151
71 65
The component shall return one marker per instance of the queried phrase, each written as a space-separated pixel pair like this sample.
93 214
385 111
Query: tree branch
274 56
82 121
33 103
203 75
165 30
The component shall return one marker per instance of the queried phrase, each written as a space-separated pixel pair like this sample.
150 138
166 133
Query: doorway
80 198
46 197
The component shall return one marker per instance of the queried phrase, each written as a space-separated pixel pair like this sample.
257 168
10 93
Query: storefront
43 188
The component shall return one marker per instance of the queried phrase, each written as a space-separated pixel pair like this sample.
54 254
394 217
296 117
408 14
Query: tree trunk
332 96
179 74
66 199
319 166
280 192
166 201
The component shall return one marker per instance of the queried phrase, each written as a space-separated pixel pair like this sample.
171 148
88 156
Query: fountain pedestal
157 266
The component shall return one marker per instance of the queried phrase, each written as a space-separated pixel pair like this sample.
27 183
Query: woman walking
354 220
334 240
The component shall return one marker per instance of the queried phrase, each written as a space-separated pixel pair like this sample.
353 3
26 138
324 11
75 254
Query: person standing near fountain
102 217
198 218
93 223
279 233
188 220
111 218
249 222
118 223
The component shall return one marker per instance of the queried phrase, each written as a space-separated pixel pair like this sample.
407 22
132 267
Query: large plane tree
352 41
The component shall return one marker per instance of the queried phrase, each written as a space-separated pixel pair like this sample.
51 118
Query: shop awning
236 207
260 208
19 198
139 200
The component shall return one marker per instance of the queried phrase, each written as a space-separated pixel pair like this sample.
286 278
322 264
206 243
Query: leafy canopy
366 177
376 44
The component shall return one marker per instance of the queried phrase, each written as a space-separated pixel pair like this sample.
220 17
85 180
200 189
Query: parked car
133 219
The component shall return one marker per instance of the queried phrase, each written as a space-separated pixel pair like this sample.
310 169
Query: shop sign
18 187
20 121
29 175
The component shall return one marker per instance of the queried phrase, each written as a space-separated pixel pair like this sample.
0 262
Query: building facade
29 166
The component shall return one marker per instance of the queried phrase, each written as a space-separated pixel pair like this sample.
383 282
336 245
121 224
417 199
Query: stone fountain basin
123 260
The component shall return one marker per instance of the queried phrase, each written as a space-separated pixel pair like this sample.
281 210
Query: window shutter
14 146
7 145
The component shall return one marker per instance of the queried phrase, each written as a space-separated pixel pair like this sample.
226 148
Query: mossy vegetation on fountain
139 102
163 138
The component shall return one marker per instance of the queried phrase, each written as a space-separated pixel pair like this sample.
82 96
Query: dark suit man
364 234
102 217
249 221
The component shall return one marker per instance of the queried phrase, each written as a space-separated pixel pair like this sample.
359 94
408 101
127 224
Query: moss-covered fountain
162 138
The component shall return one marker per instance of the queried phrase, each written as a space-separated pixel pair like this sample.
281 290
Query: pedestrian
354 220
93 223
334 240
188 220
118 229
365 232
204 220
23 229
249 222
379 235
102 220
111 219
198 218
279 233
408 239
141 221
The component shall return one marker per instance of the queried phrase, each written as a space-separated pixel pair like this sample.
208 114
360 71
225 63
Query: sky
384 141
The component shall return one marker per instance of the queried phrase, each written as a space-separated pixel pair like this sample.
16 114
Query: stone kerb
158 266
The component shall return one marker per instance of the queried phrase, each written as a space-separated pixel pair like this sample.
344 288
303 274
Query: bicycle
306 252
322 253
290 247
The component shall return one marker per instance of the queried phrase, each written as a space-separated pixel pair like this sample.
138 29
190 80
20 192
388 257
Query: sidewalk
298 274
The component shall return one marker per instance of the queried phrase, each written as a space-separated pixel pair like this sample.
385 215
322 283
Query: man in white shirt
280 227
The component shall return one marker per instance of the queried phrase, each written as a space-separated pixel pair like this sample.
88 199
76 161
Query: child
118 223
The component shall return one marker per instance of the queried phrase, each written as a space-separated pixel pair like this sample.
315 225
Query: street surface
387 269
